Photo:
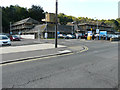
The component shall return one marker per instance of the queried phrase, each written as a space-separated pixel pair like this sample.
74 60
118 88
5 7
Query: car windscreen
3 38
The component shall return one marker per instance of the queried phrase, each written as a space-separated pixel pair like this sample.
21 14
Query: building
85 27
24 25
50 18
31 26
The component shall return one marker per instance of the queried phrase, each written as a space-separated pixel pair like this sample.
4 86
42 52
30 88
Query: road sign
46 35
97 30
103 33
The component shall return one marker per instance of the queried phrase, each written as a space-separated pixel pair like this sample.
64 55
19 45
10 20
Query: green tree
36 12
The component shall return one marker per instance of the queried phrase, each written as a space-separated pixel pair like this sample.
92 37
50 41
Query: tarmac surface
96 67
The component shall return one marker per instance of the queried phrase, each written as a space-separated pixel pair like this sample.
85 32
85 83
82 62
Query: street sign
46 35
103 33
97 30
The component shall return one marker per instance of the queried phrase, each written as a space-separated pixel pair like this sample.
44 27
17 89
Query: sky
101 9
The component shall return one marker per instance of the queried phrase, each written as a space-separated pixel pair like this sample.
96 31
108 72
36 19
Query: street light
56 28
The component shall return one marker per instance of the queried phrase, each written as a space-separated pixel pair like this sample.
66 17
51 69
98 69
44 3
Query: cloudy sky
102 9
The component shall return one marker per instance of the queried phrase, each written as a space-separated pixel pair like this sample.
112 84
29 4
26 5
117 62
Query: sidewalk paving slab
26 52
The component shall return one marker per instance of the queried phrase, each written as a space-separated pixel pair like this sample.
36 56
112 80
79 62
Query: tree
12 14
36 12
16 13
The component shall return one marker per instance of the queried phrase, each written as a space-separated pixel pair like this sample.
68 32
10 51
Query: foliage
16 13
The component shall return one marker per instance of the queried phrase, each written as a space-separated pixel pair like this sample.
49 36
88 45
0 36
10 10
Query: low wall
27 36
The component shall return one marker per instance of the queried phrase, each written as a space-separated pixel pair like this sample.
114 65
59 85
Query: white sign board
46 35
97 30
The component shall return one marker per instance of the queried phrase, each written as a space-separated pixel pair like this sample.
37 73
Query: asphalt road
95 68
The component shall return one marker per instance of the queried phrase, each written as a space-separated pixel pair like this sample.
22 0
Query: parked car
4 40
14 38
84 36
70 36
62 36
79 35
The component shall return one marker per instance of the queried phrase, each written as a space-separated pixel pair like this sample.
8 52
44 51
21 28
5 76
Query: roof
50 28
27 20
91 24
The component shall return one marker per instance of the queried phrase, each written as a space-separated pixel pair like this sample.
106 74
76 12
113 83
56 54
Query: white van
4 40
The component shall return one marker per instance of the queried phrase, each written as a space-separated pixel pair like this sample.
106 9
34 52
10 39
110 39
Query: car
4 40
62 36
109 36
14 38
70 36
79 35
84 36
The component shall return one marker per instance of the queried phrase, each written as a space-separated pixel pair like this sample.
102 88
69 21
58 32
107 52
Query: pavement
14 53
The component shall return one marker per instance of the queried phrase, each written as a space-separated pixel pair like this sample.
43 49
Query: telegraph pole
56 24
10 27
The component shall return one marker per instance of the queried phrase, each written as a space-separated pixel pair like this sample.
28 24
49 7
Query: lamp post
56 24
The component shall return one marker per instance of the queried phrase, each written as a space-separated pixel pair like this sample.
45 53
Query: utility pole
46 25
56 26
46 30
10 28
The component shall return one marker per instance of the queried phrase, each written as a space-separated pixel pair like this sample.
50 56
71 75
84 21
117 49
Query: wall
28 36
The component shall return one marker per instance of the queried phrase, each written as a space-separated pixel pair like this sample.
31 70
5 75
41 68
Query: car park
14 38
4 40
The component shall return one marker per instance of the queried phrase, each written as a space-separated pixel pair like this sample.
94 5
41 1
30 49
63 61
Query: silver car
4 40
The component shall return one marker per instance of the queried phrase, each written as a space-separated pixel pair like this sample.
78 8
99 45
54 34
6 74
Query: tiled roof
25 20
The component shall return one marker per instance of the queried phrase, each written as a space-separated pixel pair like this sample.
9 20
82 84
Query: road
95 68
